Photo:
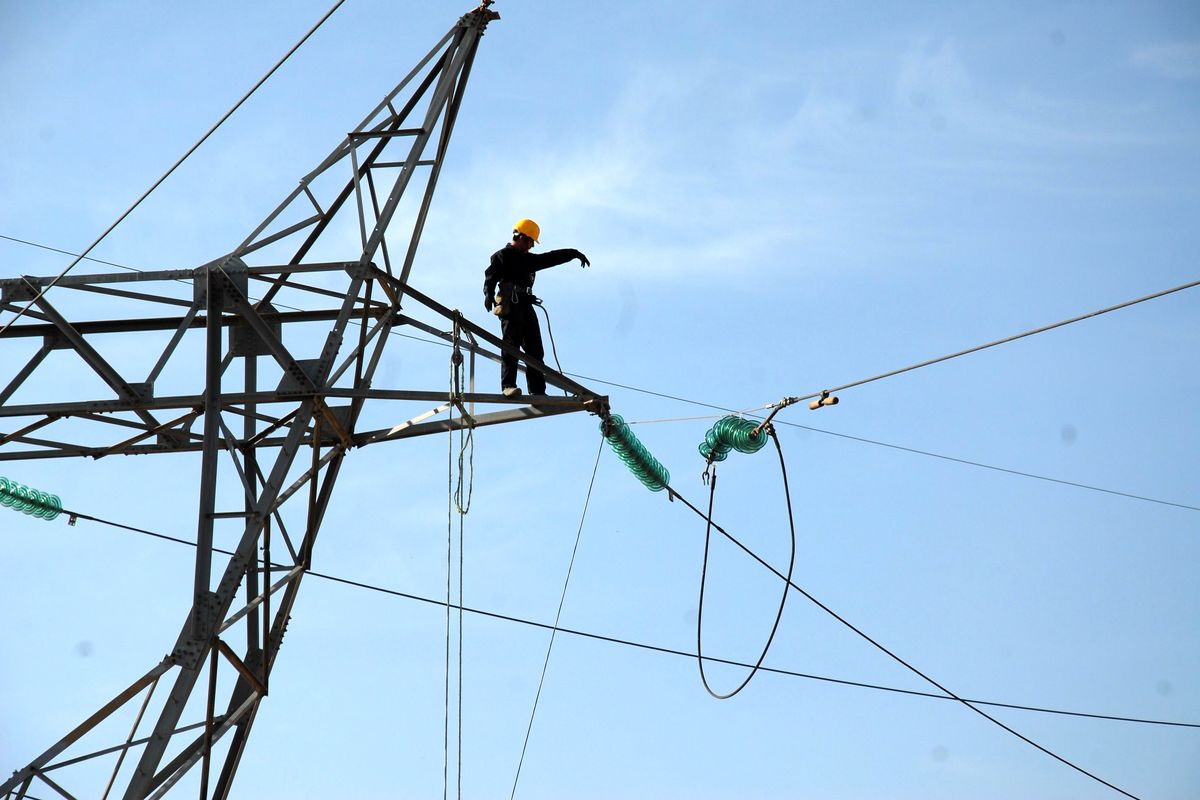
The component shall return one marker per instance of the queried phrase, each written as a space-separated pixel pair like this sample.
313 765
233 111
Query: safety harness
509 295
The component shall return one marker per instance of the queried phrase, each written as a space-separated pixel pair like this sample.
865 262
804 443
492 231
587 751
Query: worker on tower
508 293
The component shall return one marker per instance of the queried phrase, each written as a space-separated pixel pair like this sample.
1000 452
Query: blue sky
776 198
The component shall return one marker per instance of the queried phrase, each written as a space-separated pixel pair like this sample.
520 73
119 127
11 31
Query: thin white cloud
654 192
1179 60
703 172
932 75
934 84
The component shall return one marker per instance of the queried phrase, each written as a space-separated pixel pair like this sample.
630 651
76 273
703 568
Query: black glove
583 260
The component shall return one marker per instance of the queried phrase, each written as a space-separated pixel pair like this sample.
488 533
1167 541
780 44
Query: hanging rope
712 491
449 604
466 434
557 616
457 499
460 651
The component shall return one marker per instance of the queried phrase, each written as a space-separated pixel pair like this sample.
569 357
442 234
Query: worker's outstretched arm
555 257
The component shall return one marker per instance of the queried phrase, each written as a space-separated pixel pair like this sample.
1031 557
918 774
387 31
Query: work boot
511 391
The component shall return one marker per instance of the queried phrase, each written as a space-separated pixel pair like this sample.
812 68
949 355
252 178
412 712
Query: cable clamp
764 426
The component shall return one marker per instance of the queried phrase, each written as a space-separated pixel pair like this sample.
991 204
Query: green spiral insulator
731 433
645 467
31 501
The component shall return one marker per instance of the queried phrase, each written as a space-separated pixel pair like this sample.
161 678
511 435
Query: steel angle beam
144 324
478 421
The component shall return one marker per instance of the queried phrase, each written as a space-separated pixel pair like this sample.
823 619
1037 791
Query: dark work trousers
520 329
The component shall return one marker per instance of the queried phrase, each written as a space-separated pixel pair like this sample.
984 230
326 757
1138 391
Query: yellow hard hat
527 227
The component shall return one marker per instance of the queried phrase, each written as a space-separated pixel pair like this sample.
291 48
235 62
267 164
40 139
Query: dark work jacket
517 267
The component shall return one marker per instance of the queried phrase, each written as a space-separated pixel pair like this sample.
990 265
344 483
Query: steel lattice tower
285 444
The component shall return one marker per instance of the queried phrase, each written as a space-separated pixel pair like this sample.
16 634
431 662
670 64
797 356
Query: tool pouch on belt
508 295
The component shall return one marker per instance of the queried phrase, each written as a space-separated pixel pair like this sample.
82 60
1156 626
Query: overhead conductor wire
557 617
787 401
174 166
949 694
650 647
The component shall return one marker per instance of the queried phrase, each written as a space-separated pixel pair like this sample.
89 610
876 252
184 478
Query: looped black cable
537 303
704 573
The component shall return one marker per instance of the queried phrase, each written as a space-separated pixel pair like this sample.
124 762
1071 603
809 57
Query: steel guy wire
174 166
651 647
557 617
750 411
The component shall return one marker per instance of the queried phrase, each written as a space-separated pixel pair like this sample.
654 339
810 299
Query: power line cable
992 467
890 654
557 617
651 647
41 293
787 401
68 253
